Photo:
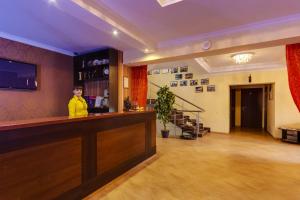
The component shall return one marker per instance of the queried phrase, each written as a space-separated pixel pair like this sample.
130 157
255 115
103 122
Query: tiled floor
242 165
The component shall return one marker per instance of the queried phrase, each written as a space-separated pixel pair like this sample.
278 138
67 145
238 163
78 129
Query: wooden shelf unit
89 72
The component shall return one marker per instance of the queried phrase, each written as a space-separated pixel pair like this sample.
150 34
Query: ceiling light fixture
146 50
164 3
115 32
242 58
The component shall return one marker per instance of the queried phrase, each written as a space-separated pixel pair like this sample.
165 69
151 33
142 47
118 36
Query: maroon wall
55 74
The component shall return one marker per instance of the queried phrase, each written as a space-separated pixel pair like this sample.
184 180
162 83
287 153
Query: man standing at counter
77 105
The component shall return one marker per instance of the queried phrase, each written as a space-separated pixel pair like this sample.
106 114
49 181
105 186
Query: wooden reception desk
62 158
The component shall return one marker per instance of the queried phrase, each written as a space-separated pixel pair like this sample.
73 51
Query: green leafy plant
164 104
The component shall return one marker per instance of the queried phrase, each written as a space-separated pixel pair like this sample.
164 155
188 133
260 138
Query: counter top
10 125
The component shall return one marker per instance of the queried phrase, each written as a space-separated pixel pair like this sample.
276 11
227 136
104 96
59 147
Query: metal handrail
201 109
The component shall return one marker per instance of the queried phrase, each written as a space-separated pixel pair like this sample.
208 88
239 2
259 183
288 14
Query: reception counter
63 158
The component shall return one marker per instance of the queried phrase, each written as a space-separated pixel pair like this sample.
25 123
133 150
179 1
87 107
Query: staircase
190 128
185 116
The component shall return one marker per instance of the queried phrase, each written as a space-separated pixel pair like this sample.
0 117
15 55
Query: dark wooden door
251 116
232 108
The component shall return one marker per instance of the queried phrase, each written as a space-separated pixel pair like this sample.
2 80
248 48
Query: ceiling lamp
242 58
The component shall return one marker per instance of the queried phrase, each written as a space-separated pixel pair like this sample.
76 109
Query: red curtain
293 65
139 85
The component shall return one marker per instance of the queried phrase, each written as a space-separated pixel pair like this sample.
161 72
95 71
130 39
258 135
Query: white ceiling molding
164 3
129 34
34 43
203 64
239 68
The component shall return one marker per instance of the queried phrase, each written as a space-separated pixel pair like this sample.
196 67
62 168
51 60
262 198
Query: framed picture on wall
126 85
183 83
189 76
156 71
199 89
164 71
149 72
193 82
211 88
184 69
178 76
174 83
174 70
204 81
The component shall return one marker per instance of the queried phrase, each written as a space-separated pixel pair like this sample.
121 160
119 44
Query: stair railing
194 111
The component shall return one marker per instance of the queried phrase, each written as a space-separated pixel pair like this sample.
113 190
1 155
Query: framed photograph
174 70
164 71
199 89
211 88
189 76
183 83
193 82
184 69
156 71
125 82
149 72
174 83
204 81
178 76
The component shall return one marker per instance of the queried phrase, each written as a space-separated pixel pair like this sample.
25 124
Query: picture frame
156 71
125 82
183 83
205 81
199 89
193 82
184 69
189 76
149 72
173 83
164 71
174 70
178 76
211 88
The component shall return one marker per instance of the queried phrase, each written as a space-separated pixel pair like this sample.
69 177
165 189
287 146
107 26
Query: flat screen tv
17 75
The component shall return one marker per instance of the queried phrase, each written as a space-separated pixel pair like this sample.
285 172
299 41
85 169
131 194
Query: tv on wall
17 75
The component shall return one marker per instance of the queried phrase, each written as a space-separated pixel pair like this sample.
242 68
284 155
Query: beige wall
217 104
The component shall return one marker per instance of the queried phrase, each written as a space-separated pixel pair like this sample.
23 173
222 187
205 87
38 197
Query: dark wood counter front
62 158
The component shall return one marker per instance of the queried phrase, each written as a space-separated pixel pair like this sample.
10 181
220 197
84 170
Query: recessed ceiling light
164 3
115 32
146 50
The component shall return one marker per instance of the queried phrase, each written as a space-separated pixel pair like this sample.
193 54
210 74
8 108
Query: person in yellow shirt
77 105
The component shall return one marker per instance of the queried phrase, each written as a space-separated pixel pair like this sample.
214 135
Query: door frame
241 86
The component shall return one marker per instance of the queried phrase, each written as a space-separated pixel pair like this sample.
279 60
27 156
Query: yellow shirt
77 107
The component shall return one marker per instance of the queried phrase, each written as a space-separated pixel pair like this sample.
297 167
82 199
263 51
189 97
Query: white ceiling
195 17
81 26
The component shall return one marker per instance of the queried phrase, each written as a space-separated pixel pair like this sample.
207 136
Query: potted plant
163 107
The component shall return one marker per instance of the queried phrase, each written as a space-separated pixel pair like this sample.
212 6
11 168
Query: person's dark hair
77 87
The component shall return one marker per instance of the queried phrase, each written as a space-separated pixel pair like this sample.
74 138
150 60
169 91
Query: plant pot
165 133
